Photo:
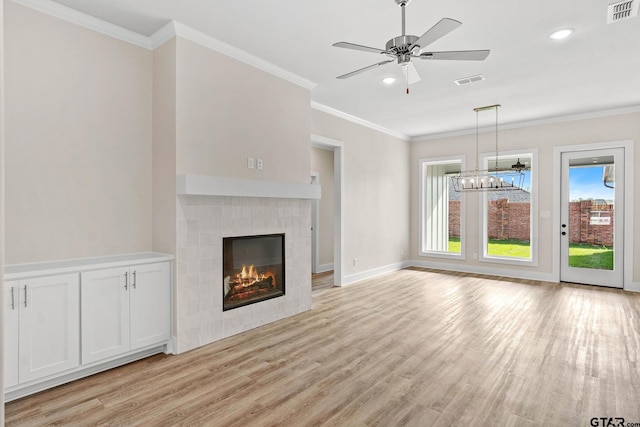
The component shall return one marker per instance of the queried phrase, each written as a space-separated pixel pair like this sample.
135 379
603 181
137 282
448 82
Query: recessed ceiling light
389 80
561 34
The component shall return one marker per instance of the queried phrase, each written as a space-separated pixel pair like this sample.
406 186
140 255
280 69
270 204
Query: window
441 209
508 220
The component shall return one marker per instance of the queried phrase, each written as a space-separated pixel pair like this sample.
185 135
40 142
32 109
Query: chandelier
492 179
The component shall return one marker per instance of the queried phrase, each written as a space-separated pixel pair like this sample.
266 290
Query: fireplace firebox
253 269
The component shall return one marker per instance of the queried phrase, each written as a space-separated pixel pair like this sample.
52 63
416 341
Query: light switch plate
250 162
259 164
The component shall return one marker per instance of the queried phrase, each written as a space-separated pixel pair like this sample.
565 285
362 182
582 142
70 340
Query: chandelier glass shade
498 178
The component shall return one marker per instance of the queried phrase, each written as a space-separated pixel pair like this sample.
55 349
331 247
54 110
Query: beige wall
322 162
228 111
164 148
376 179
78 141
544 138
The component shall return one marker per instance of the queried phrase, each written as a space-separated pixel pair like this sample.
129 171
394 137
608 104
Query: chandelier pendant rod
496 141
477 110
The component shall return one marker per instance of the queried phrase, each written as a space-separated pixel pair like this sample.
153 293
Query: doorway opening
336 147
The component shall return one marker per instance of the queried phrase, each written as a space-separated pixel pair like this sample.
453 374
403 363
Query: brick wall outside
512 221
580 228
509 220
454 218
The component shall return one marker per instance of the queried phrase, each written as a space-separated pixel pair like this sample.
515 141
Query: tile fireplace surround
202 222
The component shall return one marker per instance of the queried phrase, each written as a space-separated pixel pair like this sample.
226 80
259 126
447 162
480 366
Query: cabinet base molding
22 390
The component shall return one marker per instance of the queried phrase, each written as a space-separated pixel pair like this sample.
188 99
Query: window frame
422 164
486 160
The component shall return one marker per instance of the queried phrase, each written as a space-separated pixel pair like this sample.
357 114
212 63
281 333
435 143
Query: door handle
13 298
25 295
134 279
126 280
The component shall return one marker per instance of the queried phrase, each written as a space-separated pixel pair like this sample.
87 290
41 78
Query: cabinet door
150 304
10 325
105 313
49 326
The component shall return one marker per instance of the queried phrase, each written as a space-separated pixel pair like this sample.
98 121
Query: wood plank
413 347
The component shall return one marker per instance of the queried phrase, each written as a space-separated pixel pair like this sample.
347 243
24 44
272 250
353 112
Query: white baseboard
463 268
353 278
323 268
633 287
490 271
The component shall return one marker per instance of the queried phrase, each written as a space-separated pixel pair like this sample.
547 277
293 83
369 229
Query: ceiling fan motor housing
400 47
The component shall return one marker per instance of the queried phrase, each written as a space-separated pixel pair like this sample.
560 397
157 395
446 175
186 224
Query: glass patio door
592 217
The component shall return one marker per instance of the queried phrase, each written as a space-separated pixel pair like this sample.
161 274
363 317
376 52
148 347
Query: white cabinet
124 309
10 322
105 313
67 319
42 327
150 305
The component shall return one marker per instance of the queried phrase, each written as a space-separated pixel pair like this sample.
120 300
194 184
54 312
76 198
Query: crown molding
68 14
337 113
538 122
175 28
240 55
164 34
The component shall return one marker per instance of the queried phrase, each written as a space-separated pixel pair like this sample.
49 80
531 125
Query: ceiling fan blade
410 73
362 70
441 29
459 55
353 46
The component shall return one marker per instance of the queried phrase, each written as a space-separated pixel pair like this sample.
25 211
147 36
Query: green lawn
509 248
590 256
580 255
454 244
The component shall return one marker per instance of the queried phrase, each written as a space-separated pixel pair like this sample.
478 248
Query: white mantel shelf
204 185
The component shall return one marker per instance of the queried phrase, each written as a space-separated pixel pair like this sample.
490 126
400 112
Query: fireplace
252 269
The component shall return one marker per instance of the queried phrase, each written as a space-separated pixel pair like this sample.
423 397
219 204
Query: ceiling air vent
467 80
620 10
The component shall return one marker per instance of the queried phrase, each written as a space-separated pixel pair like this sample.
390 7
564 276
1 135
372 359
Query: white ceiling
530 75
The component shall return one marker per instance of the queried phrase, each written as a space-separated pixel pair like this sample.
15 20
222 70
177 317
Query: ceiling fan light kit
405 47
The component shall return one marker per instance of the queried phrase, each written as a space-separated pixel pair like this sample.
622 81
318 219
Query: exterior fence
589 223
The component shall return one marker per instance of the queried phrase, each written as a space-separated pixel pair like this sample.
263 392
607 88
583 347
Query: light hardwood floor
321 281
413 347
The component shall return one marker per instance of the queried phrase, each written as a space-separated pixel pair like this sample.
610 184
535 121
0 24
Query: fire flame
249 275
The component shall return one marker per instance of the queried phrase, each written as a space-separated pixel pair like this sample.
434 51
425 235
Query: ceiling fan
405 47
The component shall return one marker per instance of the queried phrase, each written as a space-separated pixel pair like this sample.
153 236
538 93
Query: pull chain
406 71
